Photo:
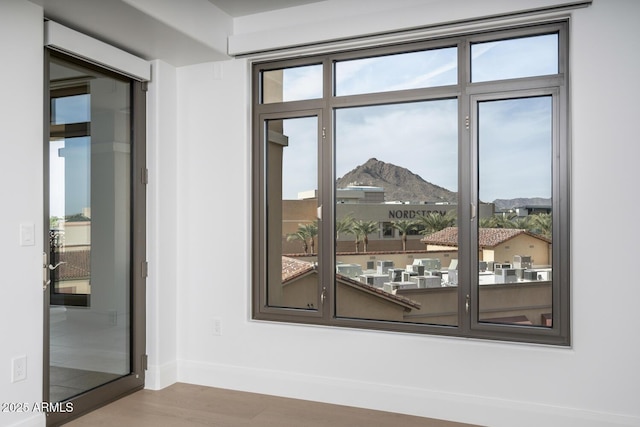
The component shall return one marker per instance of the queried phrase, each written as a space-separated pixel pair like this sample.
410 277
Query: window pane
292 228
398 168
292 84
515 58
412 70
71 109
90 206
514 245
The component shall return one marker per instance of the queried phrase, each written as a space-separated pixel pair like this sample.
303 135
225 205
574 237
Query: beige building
499 245
386 238
524 302
354 299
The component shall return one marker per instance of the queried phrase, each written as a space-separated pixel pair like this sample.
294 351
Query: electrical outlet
18 369
217 326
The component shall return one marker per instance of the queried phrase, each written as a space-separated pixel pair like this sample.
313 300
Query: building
368 204
397 291
299 280
498 245
199 204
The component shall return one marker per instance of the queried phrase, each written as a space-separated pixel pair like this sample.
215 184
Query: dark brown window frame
468 94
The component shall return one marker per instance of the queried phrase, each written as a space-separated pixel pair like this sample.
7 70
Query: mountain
399 184
506 204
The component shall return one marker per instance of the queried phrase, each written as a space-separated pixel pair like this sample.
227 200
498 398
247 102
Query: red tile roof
76 265
487 237
408 303
293 269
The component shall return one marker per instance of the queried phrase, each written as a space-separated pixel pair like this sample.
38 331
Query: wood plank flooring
187 405
68 382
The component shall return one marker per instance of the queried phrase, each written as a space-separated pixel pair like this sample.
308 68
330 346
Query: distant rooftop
487 237
293 269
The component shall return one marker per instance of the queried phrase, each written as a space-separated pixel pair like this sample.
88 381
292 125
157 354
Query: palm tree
343 225
503 221
542 224
486 222
404 226
362 229
299 235
506 220
311 231
522 223
436 221
306 233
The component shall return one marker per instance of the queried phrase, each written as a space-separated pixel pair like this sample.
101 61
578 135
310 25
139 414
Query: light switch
27 234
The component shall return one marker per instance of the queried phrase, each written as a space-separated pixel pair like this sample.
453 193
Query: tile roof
75 265
487 237
409 303
293 269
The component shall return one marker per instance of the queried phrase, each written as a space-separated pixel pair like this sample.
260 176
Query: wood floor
186 405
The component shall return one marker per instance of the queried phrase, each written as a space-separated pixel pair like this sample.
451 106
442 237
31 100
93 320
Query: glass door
91 264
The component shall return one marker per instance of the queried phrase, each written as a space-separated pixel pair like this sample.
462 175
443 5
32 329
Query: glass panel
398 168
514 244
90 229
413 70
70 216
292 84
514 58
292 227
71 109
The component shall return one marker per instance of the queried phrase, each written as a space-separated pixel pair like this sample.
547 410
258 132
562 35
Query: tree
299 235
436 221
486 222
306 233
522 223
343 225
404 226
542 224
311 230
504 220
54 222
362 229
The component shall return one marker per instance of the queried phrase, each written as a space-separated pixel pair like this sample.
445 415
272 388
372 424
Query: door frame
134 381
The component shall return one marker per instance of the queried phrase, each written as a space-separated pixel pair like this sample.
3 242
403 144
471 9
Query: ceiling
143 28
237 8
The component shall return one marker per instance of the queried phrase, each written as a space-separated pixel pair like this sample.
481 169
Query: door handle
47 269
53 267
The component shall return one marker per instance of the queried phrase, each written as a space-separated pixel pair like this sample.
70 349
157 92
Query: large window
420 187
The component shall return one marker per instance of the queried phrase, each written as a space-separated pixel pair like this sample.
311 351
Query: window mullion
467 292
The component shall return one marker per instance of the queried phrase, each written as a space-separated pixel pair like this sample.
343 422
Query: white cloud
423 136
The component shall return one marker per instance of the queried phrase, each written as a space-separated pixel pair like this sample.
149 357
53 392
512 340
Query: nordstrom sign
411 213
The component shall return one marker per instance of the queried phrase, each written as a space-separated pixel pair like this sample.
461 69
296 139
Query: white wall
21 144
162 226
594 383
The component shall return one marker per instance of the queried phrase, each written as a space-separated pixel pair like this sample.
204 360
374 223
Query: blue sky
69 186
514 136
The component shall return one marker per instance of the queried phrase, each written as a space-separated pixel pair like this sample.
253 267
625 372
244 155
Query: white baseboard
35 420
399 399
158 377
